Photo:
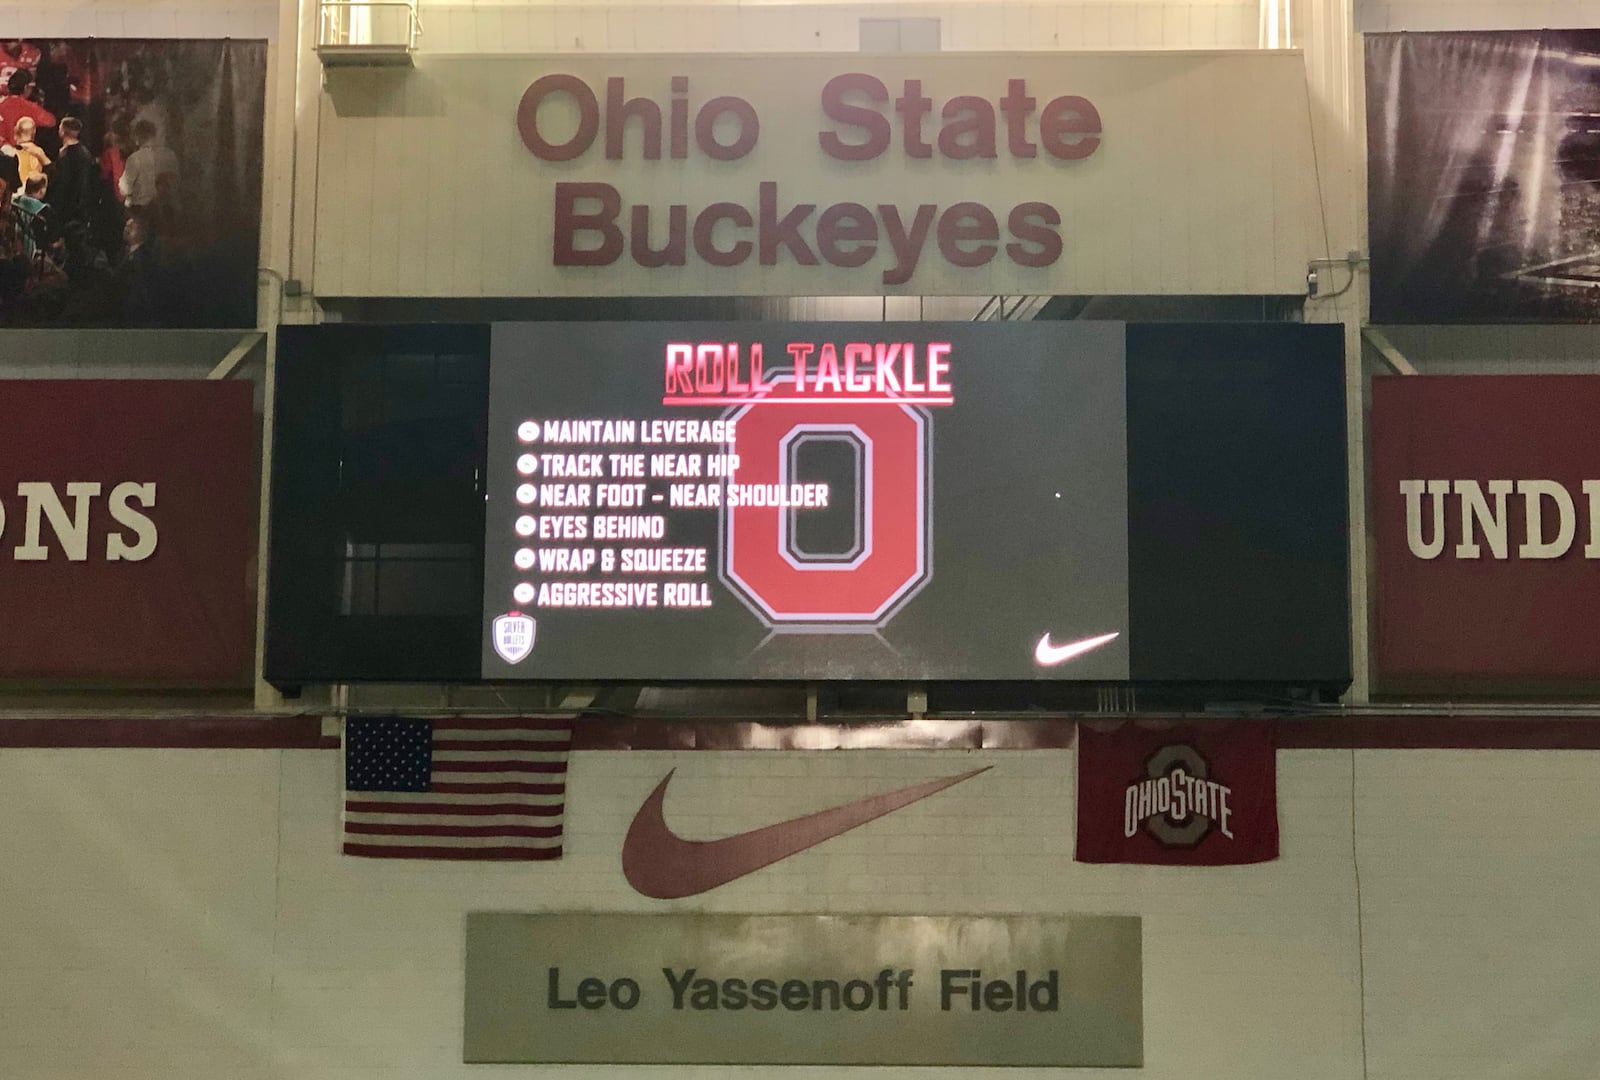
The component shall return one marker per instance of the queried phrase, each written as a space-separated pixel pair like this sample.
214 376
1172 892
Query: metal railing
368 25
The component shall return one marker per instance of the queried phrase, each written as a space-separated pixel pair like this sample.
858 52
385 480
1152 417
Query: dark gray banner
804 989
130 182
1484 176
807 500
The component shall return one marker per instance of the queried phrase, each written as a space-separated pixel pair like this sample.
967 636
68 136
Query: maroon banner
127 515
1484 510
1178 794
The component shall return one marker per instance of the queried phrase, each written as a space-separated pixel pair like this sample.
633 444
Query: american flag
455 789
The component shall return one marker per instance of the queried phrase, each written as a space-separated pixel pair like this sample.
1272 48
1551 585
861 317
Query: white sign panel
1042 991
963 174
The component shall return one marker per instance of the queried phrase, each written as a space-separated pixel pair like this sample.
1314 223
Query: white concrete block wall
970 25
184 914
137 908
1479 871
703 25
391 933
140 18
1382 15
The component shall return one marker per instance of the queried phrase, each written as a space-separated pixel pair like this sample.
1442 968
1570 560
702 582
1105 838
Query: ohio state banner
1178 794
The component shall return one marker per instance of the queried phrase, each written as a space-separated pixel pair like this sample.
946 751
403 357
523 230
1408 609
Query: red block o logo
888 562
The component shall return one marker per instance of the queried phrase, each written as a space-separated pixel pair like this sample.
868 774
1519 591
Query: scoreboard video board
943 503
806 500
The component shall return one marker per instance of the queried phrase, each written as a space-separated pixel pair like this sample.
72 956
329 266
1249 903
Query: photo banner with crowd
1484 176
130 182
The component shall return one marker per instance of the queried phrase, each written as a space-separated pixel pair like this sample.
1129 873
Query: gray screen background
1028 481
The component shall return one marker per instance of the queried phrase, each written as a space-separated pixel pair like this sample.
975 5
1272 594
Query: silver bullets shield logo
513 635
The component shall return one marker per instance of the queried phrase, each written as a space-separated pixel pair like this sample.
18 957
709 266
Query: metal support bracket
1392 356
228 364
917 702
577 698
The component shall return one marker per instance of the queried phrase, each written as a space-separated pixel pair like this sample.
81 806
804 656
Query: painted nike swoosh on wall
660 864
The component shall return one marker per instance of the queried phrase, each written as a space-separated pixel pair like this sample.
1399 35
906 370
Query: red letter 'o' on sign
705 128
894 563
528 117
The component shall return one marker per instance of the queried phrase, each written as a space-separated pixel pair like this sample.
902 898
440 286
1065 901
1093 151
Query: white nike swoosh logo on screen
1048 655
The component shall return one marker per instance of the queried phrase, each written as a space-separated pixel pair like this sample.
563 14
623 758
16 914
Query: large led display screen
807 501
1041 507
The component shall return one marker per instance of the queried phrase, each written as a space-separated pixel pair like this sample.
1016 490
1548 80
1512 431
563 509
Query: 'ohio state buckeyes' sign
1486 505
126 512
808 174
